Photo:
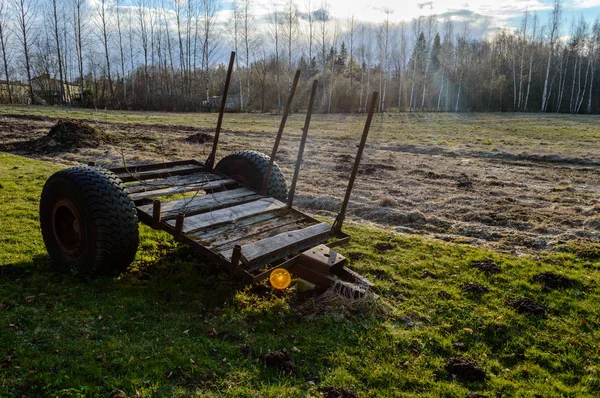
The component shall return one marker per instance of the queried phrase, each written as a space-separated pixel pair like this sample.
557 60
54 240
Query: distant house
48 90
214 103
18 90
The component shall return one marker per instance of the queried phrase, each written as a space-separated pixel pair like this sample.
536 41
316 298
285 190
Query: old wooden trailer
239 211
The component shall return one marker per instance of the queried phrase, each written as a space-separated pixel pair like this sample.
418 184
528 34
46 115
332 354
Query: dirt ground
516 198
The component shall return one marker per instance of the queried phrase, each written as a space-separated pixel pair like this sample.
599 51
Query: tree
104 31
55 27
27 32
275 27
79 13
4 35
553 28
249 40
121 52
291 36
383 47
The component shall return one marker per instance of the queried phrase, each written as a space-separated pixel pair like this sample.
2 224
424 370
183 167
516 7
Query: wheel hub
68 228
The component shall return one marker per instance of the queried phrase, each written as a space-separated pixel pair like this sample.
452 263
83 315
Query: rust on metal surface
311 103
210 162
339 221
286 112
322 259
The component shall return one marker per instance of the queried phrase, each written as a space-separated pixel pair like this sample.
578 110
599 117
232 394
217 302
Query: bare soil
338 392
527 306
498 196
474 288
550 280
464 369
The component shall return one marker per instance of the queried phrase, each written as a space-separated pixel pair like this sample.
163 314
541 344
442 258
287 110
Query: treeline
169 55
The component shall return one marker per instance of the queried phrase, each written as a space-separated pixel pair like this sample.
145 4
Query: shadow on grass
175 323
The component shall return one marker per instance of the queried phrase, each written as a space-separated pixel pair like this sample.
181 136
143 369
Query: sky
484 16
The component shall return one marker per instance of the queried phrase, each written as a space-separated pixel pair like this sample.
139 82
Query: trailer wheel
88 221
249 167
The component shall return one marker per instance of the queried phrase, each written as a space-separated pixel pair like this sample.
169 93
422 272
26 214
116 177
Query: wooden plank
278 244
181 189
153 166
172 181
255 232
167 172
208 235
202 203
229 214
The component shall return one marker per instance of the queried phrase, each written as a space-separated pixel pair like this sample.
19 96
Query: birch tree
553 29
4 36
26 33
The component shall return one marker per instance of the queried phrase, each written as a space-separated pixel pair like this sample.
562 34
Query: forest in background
170 56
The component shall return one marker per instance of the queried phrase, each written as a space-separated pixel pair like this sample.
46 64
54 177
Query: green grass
151 331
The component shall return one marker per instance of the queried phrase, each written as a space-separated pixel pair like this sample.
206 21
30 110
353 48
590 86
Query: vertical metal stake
311 103
179 225
210 162
155 213
236 255
286 111
339 221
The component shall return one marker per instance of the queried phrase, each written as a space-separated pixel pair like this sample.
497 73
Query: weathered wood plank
208 235
153 166
181 189
279 244
255 232
189 179
202 203
229 214
153 174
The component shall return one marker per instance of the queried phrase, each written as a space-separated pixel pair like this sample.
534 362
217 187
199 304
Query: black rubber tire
250 167
88 221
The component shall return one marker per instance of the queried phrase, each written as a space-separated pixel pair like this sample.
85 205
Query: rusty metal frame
311 103
336 228
259 269
210 161
286 111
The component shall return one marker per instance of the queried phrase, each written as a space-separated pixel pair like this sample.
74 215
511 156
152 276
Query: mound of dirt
488 267
427 274
67 135
355 256
279 360
553 281
444 295
199 138
464 369
338 392
464 182
384 246
474 288
529 306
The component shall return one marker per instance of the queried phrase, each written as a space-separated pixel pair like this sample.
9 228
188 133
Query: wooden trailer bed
220 215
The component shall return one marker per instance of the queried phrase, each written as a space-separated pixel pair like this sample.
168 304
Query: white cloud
580 4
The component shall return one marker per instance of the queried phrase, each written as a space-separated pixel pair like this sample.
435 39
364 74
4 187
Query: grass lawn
176 326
